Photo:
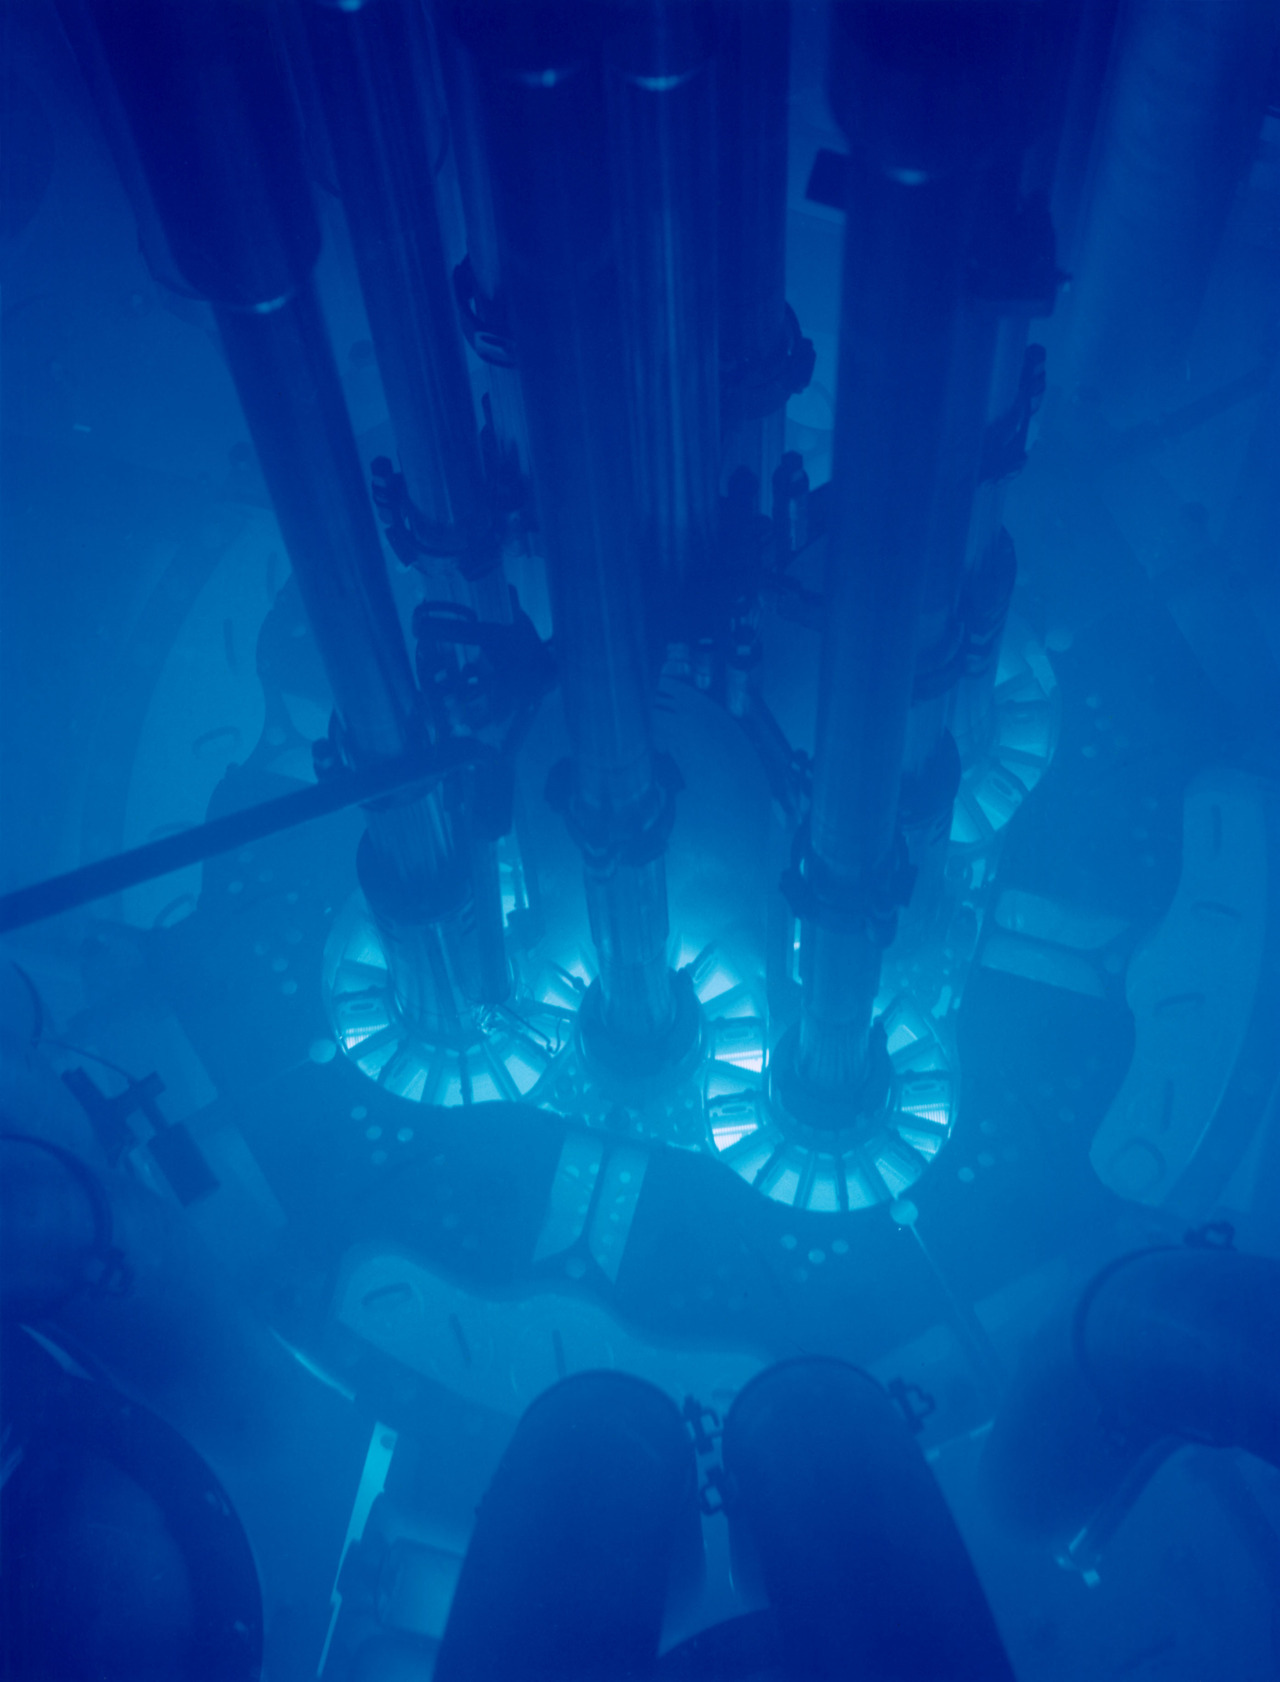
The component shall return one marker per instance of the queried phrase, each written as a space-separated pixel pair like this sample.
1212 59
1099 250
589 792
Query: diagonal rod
73 888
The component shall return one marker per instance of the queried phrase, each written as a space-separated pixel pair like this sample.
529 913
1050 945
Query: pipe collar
870 903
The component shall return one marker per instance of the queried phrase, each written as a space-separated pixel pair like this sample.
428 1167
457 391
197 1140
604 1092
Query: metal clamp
871 904
483 324
609 839
706 1430
711 1490
1004 444
751 390
914 1403
704 1425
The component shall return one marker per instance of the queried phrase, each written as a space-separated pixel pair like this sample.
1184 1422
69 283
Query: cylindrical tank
587 1527
124 1560
834 1513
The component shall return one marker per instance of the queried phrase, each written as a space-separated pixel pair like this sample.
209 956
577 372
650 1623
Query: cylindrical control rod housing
372 66
661 108
541 89
210 117
916 91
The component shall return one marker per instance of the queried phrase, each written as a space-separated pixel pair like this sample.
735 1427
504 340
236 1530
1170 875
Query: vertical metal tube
211 119
964 423
1188 87
540 85
1068 50
374 74
1011 275
931 766
371 64
903 270
1085 63
991 567
753 65
488 331
661 106
288 383
915 92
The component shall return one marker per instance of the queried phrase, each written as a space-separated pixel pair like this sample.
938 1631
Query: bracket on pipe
870 904
607 839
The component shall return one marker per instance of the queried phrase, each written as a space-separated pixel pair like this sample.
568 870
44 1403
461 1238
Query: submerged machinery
627 217
595 983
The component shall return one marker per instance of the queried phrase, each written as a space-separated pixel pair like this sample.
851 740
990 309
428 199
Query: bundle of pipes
539 73
373 72
577 152
217 151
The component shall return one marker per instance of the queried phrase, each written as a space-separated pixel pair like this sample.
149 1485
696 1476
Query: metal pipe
540 87
478 281
288 383
1012 276
371 61
1067 44
208 107
228 181
916 93
1085 60
661 109
289 387
931 768
753 68
1187 93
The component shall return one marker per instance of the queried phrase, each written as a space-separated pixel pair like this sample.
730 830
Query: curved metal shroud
833 1509
589 1531
589 1514
1180 1344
